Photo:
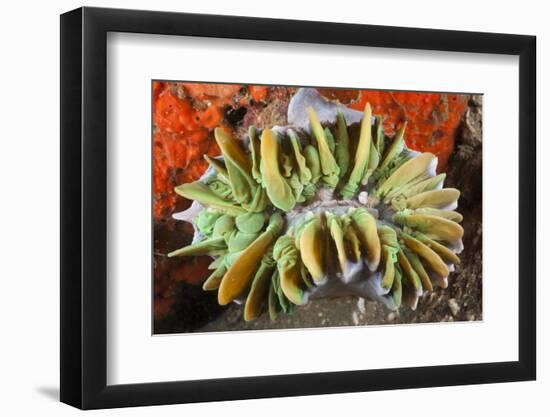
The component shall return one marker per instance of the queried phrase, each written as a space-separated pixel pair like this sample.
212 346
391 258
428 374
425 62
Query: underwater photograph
289 207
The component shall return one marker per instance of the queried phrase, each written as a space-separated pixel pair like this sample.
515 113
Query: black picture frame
84 207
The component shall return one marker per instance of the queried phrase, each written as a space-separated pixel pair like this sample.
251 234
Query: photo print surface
282 207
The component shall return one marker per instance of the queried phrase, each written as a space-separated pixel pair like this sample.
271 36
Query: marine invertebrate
433 118
323 207
184 116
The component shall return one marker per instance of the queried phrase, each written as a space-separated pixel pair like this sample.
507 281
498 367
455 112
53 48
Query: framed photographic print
306 207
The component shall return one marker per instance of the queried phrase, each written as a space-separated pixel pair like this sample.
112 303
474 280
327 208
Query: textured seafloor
461 301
